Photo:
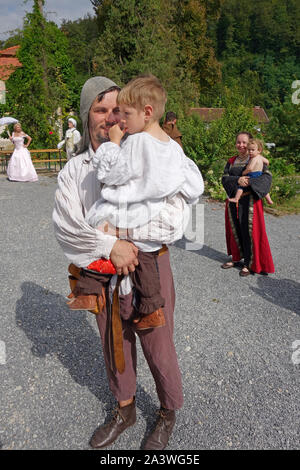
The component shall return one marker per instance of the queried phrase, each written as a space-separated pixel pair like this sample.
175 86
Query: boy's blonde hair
258 142
143 90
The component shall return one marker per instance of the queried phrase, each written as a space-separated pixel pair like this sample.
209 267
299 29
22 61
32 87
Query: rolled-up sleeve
80 242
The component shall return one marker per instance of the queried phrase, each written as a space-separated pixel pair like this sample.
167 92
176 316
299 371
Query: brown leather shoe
83 302
153 320
109 432
159 438
245 272
228 265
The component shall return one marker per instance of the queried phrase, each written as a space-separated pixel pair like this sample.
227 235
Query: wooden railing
48 158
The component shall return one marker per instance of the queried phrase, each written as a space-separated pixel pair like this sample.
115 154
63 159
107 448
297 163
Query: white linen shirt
138 178
78 189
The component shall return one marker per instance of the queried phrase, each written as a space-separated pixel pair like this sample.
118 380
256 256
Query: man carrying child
78 190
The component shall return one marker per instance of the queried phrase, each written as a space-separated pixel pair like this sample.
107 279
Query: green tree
270 26
197 55
283 130
147 36
82 37
44 82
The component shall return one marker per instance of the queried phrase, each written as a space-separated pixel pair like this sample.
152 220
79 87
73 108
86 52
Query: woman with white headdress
72 137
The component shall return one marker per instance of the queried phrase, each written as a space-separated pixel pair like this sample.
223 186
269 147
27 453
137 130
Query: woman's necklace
242 159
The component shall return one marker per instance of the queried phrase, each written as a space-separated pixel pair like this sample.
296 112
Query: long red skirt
246 235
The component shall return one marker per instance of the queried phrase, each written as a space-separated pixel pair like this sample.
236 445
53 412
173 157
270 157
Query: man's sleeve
77 137
80 243
229 182
61 144
261 186
168 226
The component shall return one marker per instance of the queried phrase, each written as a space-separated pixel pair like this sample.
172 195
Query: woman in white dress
20 167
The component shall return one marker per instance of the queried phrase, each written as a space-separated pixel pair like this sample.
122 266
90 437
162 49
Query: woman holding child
244 218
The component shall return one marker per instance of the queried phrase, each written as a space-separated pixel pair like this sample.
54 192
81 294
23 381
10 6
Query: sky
12 12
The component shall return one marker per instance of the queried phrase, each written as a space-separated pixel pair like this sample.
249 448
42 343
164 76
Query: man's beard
101 139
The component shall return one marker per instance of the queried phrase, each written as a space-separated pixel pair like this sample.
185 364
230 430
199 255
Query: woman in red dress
246 236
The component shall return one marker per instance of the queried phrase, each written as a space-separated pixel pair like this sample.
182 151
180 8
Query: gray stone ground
236 341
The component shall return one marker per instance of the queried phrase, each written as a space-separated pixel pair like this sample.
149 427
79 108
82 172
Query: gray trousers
157 344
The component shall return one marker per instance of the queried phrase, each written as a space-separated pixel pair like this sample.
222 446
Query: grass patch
286 195
290 206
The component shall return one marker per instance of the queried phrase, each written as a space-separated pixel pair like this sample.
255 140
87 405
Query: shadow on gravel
53 329
203 250
282 292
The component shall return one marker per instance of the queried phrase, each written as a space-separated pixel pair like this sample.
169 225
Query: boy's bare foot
233 199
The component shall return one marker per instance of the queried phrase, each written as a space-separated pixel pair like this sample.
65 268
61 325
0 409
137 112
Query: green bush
284 131
210 145
279 166
283 188
213 183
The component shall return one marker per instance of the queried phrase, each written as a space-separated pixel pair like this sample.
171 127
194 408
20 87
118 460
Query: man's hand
115 134
124 256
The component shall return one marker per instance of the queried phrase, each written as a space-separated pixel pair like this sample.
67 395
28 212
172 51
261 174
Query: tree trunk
40 5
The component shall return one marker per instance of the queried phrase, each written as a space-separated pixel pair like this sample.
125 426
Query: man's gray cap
90 90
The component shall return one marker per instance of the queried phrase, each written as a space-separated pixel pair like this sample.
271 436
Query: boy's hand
115 134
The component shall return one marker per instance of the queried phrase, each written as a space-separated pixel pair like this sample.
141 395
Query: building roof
260 114
211 114
10 51
8 62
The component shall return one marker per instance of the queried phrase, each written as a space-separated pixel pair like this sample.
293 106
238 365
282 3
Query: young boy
139 177
254 167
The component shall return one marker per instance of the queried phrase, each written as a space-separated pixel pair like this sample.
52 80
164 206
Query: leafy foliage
44 82
164 37
284 130
81 36
210 145
234 54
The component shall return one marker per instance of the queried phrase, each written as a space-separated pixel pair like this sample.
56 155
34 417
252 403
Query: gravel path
236 339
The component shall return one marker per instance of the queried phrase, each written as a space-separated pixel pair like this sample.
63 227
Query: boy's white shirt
78 189
139 179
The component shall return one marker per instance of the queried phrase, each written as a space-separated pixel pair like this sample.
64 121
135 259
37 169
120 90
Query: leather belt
113 317
163 250
116 330
116 324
